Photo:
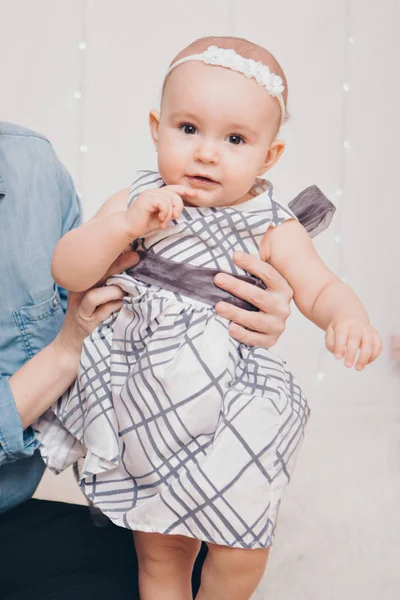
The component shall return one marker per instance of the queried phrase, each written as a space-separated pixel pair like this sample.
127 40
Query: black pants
52 551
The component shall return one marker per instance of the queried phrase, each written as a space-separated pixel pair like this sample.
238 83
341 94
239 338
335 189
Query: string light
337 238
80 95
340 190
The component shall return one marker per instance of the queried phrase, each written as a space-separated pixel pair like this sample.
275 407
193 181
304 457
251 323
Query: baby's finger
330 339
177 206
365 352
182 190
164 211
340 334
352 347
377 349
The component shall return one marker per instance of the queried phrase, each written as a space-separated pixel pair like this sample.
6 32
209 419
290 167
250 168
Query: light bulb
83 148
78 95
346 87
82 46
346 144
320 375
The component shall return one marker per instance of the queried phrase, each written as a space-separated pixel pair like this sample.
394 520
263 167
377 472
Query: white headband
223 57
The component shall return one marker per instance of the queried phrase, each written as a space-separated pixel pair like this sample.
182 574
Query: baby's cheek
242 178
172 165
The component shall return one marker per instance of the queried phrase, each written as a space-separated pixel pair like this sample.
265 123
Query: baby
180 432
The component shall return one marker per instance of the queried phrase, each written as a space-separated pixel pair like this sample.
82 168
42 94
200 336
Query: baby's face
215 132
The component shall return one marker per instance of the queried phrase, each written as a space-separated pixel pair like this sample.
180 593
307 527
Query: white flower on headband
228 58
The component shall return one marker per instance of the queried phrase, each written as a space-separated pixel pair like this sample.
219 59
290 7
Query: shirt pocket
39 324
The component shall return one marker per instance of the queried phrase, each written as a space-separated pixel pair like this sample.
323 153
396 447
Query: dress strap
313 210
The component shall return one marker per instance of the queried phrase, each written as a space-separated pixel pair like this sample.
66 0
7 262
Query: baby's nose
207 151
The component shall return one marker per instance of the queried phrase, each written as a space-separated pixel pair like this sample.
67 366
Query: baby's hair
243 47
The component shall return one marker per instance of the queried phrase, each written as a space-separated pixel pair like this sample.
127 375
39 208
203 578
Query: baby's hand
155 208
347 336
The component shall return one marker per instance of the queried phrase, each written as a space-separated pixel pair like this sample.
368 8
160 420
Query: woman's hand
86 310
265 327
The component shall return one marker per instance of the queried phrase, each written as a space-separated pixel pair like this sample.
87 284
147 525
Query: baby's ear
273 155
154 122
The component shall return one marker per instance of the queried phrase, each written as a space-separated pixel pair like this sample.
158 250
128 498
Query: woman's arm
42 380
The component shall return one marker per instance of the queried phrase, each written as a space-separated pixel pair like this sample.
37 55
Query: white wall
339 522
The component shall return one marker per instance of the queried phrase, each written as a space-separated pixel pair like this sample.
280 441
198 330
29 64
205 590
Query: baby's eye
188 129
236 140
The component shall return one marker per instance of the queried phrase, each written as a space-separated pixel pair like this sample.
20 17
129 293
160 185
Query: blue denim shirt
38 204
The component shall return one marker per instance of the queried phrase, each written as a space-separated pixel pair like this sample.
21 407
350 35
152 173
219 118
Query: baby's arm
84 254
320 295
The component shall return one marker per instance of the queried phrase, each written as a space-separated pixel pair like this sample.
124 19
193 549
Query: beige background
339 523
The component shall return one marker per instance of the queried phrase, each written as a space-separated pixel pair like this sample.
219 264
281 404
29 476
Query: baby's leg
165 565
231 573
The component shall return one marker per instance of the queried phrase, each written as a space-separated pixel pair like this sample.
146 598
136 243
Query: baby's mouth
202 181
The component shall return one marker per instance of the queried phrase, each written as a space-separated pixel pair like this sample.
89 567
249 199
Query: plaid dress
175 427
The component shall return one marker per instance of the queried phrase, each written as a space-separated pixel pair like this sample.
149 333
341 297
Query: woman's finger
274 303
241 289
264 271
97 296
250 338
259 322
105 310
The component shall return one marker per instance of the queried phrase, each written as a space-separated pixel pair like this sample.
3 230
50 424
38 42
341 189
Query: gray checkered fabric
174 426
